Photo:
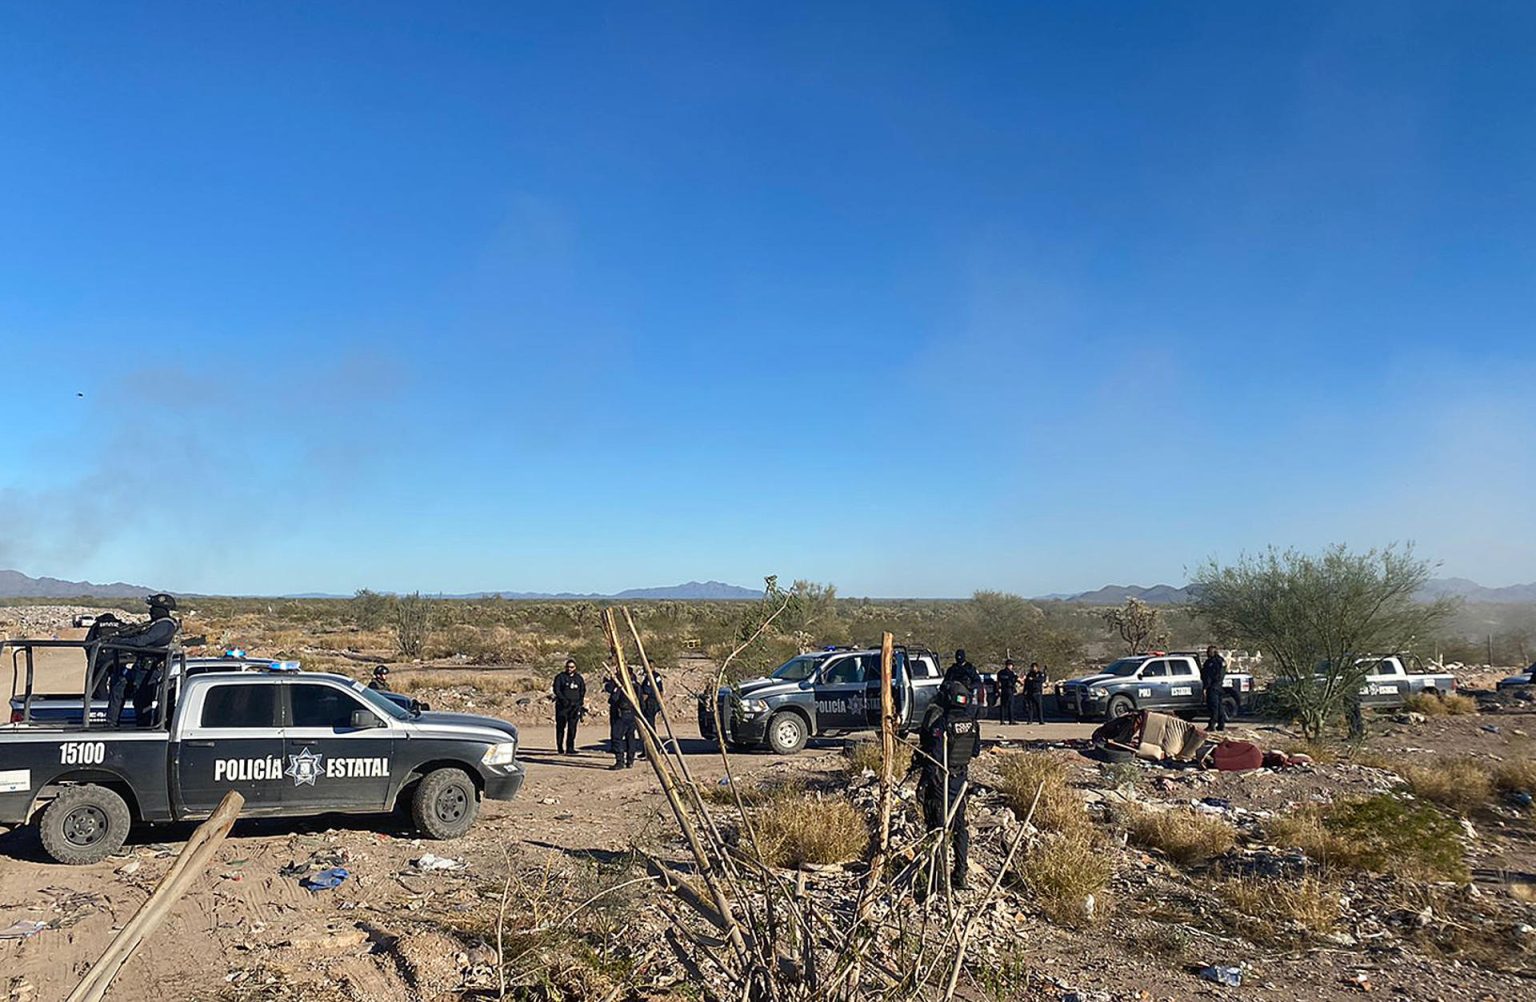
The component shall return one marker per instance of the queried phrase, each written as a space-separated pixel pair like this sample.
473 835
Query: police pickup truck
1166 682
834 691
292 743
1386 682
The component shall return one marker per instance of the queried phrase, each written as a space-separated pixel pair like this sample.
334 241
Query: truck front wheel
84 824
445 804
787 733
1119 706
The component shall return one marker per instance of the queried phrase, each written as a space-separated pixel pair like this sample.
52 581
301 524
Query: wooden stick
177 880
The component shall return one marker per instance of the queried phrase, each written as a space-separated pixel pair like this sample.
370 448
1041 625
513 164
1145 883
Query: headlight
502 754
1093 694
754 706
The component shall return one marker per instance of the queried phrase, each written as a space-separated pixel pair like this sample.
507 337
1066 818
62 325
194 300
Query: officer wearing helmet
380 679
142 681
964 672
950 738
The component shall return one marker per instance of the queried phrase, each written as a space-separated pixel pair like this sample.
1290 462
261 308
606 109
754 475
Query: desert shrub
863 755
1458 705
1459 785
1373 760
1020 774
1515 776
1065 872
1425 703
412 616
811 829
1185 836
1272 910
1376 834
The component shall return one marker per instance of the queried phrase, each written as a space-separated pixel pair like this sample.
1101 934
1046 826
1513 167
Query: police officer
1007 686
380 678
1034 694
650 699
1213 679
570 698
621 725
143 679
964 672
950 737
105 627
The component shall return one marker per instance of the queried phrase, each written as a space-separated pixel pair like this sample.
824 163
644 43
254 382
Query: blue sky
913 298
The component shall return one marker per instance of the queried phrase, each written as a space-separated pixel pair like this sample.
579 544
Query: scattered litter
550 801
129 868
325 880
24 929
724 781
431 862
1361 981
1490 728
1230 976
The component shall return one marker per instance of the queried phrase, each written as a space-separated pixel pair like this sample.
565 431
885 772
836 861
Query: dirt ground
399 928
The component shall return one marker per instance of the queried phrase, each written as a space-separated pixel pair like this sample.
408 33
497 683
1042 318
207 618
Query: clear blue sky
916 299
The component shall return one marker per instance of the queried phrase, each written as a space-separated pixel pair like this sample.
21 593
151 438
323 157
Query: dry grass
1453 704
863 755
1374 760
1459 785
1515 776
1020 774
1320 753
1066 873
1273 910
1378 834
1185 836
811 829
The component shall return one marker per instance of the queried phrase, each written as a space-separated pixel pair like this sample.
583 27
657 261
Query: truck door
333 763
229 738
901 690
841 692
1152 685
1184 688
1384 685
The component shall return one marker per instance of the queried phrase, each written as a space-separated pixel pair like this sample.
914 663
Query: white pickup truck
1388 682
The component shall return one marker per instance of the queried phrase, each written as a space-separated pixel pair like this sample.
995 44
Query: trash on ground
431 862
1231 976
24 929
325 880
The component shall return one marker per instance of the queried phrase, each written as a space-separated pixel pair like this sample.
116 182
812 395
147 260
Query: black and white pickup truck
1166 682
1386 683
826 692
292 743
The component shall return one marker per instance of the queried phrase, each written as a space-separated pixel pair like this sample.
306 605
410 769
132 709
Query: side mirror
362 720
417 706
806 683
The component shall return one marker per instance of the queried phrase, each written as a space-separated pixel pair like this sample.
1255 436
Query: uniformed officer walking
570 698
621 725
951 737
142 681
1213 679
1034 694
650 699
1007 687
964 672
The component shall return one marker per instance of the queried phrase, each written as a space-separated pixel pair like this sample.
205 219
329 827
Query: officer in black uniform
570 699
142 680
964 672
621 725
950 737
1007 686
380 679
650 699
1034 694
1213 679
107 665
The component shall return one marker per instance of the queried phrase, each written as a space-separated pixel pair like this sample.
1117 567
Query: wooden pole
887 770
189 865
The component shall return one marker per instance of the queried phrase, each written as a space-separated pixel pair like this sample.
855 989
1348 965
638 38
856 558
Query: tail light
15 716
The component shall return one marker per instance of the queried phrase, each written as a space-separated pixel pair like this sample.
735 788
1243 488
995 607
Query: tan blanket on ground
1164 737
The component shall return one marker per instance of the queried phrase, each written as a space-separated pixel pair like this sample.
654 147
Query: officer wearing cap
143 681
380 679
964 672
950 738
570 691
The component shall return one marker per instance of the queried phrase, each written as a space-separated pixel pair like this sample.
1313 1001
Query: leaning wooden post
178 879
887 769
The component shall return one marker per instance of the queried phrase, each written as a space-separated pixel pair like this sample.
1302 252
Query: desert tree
413 623
1138 624
369 609
1316 617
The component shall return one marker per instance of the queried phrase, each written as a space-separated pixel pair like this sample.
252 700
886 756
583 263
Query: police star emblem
304 767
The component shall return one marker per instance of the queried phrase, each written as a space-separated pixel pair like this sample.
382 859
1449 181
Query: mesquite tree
1317 617
1138 624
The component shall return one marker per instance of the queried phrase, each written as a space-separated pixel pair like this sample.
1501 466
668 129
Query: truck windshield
1125 667
798 669
383 704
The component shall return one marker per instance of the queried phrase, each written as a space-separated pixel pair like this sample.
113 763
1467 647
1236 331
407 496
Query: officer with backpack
621 725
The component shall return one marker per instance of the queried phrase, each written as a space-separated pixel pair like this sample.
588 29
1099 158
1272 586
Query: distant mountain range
14 584
693 591
1435 588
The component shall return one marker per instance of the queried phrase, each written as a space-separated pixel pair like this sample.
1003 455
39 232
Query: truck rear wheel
1229 707
445 803
787 733
1119 706
84 824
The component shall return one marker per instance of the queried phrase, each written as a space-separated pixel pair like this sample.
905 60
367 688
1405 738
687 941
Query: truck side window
230 706
1157 669
1182 667
845 670
321 706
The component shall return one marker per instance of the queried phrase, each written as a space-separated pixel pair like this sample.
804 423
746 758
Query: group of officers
570 692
